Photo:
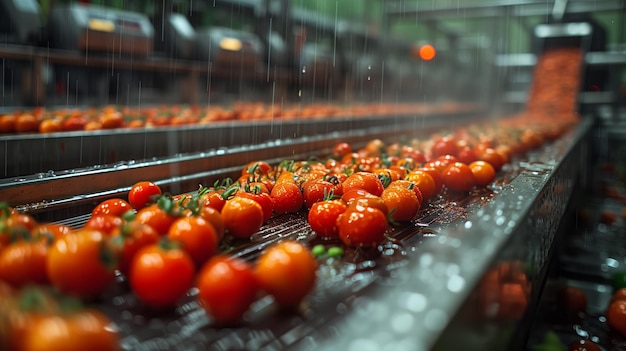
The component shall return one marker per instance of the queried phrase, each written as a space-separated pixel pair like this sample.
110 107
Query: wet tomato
362 226
483 172
363 180
287 197
288 271
424 182
197 236
104 223
262 198
81 264
436 175
143 193
458 177
227 286
242 217
401 201
49 232
161 274
316 190
115 206
323 215
214 199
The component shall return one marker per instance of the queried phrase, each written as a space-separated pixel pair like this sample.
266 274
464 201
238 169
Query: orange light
427 52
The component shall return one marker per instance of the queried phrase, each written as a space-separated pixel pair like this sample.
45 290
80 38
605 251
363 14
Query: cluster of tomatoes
163 245
111 117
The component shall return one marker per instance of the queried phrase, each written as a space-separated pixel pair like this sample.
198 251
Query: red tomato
363 180
436 175
444 146
341 149
143 193
616 316
287 197
214 199
401 201
242 217
323 215
155 217
85 329
227 287
104 223
467 155
161 274
263 199
115 207
49 231
24 262
316 190
129 239
362 226
424 182
483 172
458 177
81 264
197 236
493 157
287 271
214 217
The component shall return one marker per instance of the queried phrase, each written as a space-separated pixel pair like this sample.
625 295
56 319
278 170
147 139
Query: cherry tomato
24 262
401 201
242 217
143 193
155 217
620 294
341 149
197 236
458 177
286 197
424 182
49 232
316 190
161 274
616 316
363 180
81 264
323 215
214 199
263 199
483 172
115 207
491 156
362 226
104 223
86 329
214 217
436 175
227 287
444 146
129 238
288 271
573 299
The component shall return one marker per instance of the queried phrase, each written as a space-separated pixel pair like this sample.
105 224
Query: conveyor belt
413 292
